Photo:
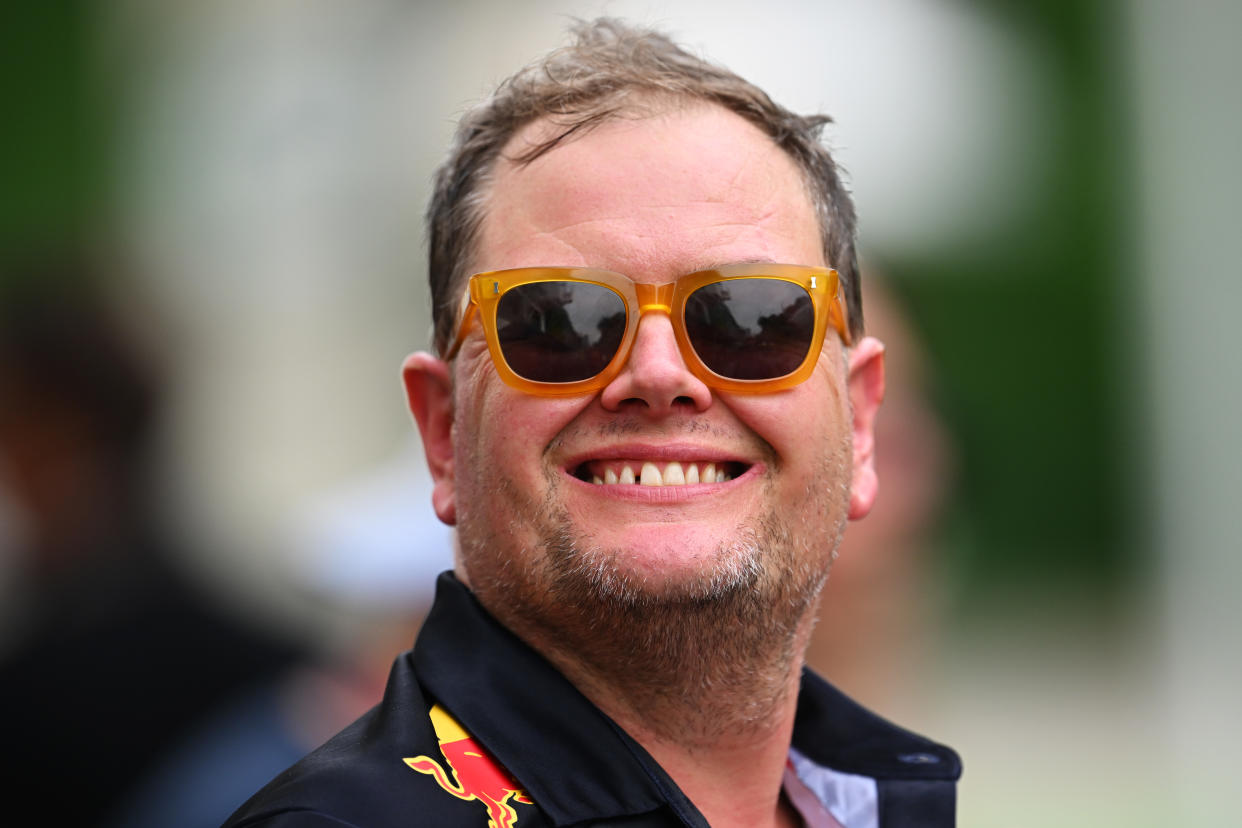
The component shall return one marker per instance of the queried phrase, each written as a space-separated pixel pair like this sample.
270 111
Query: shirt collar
835 731
576 763
572 759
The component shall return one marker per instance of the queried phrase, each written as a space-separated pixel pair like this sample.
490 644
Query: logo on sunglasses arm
475 773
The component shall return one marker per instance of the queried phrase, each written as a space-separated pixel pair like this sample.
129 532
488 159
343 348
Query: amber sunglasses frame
485 290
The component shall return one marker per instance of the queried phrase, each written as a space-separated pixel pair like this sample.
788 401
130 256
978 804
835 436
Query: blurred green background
1077 315
57 161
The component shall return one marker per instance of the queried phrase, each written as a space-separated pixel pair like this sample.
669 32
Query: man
650 421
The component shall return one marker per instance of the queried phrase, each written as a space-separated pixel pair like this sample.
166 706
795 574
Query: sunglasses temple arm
836 317
462 328
843 328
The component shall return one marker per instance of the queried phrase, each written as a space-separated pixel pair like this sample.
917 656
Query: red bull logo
475 774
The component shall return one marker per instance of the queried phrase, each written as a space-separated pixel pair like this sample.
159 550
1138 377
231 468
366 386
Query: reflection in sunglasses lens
559 331
750 329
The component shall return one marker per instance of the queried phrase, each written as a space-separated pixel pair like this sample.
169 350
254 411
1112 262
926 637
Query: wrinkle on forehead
647 241
762 217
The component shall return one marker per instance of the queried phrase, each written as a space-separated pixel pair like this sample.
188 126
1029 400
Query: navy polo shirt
476 728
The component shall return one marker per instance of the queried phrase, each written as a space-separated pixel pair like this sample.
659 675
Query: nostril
682 401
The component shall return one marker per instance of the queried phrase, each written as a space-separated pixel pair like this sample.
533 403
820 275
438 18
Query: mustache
633 424
668 428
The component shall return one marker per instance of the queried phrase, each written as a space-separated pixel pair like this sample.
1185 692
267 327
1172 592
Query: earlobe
866 384
429 392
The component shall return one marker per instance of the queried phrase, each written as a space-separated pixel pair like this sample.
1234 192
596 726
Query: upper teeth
674 474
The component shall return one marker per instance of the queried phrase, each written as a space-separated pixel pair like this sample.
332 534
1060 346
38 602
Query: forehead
652 196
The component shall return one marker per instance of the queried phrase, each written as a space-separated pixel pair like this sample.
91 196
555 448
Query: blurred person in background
610 649
109 649
242 743
879 616
371 549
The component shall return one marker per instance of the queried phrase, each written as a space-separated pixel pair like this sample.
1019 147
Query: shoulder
359 777
300 818
389 769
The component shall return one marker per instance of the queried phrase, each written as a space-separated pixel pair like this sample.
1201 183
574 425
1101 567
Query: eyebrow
717 264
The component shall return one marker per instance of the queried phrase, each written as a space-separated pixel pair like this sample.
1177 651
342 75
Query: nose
655 377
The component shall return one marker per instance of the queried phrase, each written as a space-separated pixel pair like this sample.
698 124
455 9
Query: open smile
635 472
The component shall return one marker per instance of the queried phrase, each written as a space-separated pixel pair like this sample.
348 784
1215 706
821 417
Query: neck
719 724
734 784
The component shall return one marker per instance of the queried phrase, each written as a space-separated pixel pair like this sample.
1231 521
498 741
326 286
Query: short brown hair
598 77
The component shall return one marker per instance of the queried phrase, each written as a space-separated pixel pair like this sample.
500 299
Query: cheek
801 424
503 435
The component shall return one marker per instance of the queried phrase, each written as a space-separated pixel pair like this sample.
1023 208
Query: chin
671 570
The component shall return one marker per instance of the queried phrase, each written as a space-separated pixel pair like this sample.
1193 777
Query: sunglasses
568 330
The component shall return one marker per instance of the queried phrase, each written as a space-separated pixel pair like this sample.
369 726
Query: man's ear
866 383
429 391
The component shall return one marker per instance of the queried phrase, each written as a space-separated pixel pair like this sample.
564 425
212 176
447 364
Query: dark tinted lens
751 329
559 331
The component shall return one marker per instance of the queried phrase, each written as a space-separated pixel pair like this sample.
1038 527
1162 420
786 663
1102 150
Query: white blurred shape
373 543
943 115
1185 65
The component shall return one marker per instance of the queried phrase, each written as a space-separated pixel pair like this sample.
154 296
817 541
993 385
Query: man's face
653 198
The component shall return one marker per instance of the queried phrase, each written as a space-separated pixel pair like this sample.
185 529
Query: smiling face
656 489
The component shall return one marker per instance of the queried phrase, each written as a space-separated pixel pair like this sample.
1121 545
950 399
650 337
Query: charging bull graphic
478 775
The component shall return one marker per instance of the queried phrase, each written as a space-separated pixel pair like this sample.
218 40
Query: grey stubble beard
693 659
